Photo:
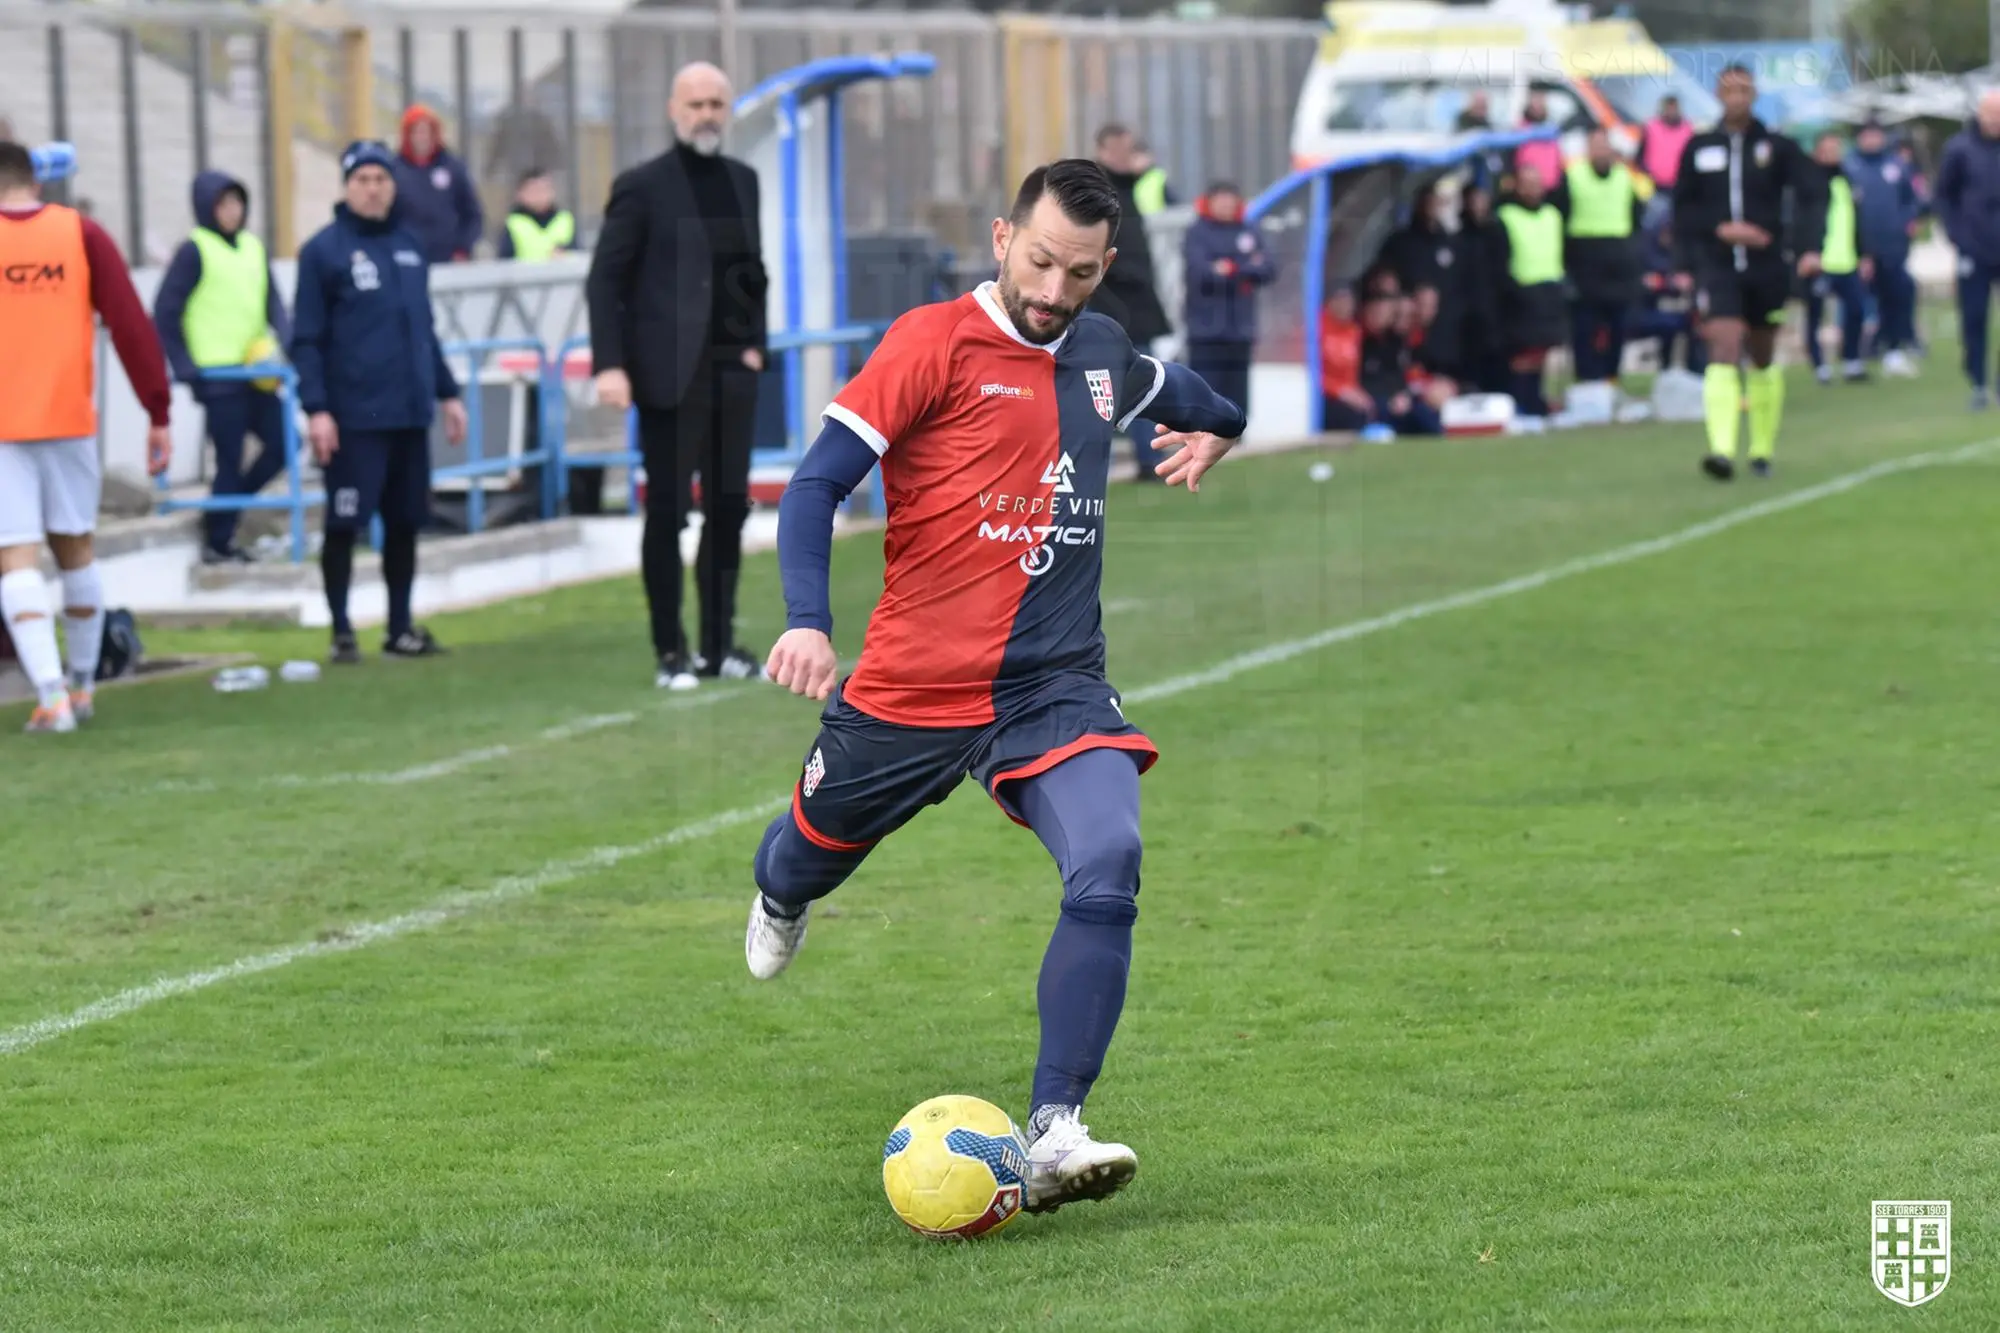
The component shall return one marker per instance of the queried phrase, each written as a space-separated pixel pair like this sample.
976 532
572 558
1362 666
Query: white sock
83 635
24 601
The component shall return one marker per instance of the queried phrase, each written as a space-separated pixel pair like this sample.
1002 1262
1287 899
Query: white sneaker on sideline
676 673
1066 1165
52 717
1898 363
771 942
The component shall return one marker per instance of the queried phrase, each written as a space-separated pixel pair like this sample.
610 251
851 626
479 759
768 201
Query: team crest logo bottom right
1911 1249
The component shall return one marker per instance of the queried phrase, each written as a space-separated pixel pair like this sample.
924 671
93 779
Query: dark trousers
1975 295
707 435
235 413
1598 340
1337 414
1226 368
1895 294
1848 289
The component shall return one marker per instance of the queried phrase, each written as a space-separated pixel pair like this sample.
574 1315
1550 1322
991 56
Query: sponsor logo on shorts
346 502
815 773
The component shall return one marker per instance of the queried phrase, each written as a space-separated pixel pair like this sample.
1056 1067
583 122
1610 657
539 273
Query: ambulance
1395 74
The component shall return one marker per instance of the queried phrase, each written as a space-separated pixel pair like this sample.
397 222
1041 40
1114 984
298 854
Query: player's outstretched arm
803 659
1194 419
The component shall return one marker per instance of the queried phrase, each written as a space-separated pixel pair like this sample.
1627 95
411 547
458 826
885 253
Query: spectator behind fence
1345 406
1662 142
435 195
677 328
1536 305
1887 207
1543 156
538 227
1478 292
1845 268
1151 191
1603 201
218 307
371 376
1129 293
1226 265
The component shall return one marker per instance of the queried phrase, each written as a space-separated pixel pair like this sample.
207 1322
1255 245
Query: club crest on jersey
1911 1249
1101 396
815 773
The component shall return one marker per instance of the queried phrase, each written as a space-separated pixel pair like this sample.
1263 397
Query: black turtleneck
722 219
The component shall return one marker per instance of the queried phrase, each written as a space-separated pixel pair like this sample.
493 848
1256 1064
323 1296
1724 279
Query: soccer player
1729 222
992 417
59 274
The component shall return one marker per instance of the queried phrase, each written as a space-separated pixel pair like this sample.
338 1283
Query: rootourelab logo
1911 1249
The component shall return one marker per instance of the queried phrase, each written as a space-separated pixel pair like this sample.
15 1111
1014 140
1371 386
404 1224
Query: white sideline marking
1229 668
15 1040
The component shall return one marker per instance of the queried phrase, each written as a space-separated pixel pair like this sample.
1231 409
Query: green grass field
1588 954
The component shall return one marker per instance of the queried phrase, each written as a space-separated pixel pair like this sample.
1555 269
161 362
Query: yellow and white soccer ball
956 1167
264 349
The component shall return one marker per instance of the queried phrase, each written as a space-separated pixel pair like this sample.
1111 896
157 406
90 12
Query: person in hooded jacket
372 379
435 197
1226 266
218 307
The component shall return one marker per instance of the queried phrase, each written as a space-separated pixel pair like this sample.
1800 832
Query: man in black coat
1129 292
676 292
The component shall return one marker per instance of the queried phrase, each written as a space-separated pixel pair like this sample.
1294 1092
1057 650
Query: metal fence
152 94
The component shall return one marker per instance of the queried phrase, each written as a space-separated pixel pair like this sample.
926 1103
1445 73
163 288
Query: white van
1397 75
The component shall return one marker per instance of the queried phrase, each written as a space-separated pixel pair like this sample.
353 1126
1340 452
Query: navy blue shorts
865 778
379 470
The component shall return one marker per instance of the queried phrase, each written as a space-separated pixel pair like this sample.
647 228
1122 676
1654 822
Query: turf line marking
15 1040
1231 667
346 939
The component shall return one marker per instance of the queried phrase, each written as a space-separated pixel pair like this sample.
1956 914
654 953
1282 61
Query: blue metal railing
296 498
551 453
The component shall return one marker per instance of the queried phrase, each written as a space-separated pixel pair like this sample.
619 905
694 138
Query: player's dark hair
17 168
1106 133
531 174
1079 187
1738 68
1223 187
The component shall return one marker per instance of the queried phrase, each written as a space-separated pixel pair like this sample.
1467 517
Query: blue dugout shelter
789 129
1352 204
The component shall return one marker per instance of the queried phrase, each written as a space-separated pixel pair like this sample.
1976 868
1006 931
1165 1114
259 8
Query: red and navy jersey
995 453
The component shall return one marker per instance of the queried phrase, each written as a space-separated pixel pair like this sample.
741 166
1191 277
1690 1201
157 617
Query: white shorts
47 486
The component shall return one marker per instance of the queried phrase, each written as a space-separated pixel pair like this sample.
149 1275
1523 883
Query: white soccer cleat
771 942
52 718
1066 1165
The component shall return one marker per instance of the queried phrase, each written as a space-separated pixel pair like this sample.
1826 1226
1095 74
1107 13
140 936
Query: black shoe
414 642
230 555
1722 469
675 673
736 664
1857 377
346 652
1761 466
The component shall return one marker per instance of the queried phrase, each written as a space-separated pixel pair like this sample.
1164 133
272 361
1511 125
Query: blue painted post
1317 213
288 389
788 177
475 422
837 229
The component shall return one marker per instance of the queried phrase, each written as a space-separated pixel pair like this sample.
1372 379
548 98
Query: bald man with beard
676 293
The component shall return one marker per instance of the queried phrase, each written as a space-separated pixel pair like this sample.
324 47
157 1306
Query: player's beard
1018 307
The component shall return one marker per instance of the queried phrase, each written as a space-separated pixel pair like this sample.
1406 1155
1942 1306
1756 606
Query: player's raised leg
1086 812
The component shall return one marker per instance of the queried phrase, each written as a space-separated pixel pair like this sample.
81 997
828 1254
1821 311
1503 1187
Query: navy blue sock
336 565
794 871
1086 812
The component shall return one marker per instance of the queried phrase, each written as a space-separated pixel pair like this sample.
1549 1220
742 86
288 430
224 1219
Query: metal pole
1993 32
406 65
58 191
572 149
461 88
135 180
198 94
725 33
